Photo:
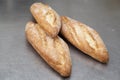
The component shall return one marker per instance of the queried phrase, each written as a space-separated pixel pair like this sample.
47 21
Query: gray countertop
19 61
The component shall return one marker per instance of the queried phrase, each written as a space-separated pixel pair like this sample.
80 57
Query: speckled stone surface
19 61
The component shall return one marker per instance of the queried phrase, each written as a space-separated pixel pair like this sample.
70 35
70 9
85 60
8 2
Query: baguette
84 38
53 50
47 18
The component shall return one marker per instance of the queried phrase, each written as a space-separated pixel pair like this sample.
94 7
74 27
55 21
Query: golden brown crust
53 50
84 38
47 18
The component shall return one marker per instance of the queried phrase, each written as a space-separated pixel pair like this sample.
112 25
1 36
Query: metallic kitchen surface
19 61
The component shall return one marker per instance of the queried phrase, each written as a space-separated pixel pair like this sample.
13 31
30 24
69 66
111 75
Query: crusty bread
84 38
53 50
47 18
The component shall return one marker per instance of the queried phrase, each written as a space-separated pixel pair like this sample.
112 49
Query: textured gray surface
19 61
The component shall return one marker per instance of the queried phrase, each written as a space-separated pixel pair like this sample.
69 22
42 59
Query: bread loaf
47 18
84 38
53 50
